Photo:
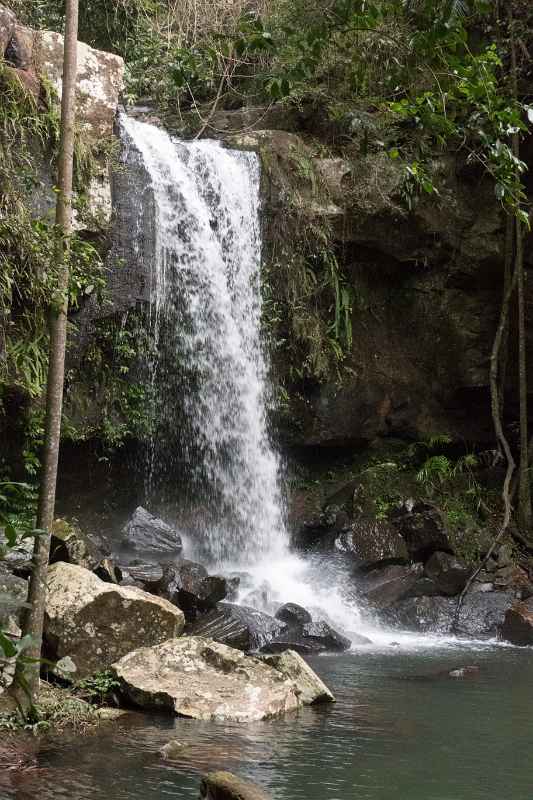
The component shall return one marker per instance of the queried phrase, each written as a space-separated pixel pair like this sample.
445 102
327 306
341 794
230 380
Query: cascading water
196 229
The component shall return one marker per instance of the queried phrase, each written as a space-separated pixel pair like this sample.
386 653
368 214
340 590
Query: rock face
293 614
238 626
372 541
421 526
517 626
447 573
384 587
191 588
482 614
95 623
199 678
226 786
316 636
144 532
309 688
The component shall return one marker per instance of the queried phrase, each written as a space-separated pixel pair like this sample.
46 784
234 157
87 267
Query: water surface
400 729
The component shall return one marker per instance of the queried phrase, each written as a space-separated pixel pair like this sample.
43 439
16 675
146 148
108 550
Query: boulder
7 26
107 571
202 679
71 545
226 786
371 542
308 686
421 526
447 573
191 588
386 586
313 637
145 532
99 80
95 623
293 614
147 575
517 626
13 595
19 51
482 613
238 626
17 559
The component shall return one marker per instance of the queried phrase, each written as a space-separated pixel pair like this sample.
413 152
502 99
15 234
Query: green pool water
401 730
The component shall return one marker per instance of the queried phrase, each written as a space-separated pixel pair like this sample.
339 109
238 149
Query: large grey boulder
372 541
7 26
96 623
308 686
13 594
226 786
447 573
146 533
199 678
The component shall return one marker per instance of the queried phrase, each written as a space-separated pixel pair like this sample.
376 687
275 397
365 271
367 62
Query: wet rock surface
189 586
146 533
517 626
309 687
481 614
95 622
422 528
447 573
382 588
241 627
203 679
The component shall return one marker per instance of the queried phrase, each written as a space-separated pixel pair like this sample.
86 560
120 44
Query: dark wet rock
481 613
384 587
421 526
313 637
517 626
293 614
372 541
448 573
145 574
237 626
145 532
233 584
189 586
226 786
108 571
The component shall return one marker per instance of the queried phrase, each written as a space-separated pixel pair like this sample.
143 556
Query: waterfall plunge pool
401 728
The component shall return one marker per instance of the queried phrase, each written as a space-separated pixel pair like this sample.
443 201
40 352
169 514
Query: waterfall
207 370
195 231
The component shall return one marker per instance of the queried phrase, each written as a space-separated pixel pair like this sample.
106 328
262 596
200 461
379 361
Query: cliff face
426 286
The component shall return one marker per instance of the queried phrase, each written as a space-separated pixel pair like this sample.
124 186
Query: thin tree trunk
28 676
524 490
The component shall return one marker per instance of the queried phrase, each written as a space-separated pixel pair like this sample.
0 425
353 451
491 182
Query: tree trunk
28 675
524 490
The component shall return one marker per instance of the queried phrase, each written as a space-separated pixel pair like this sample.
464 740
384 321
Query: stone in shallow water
313 637
226 786
199 678
145 532
95 622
